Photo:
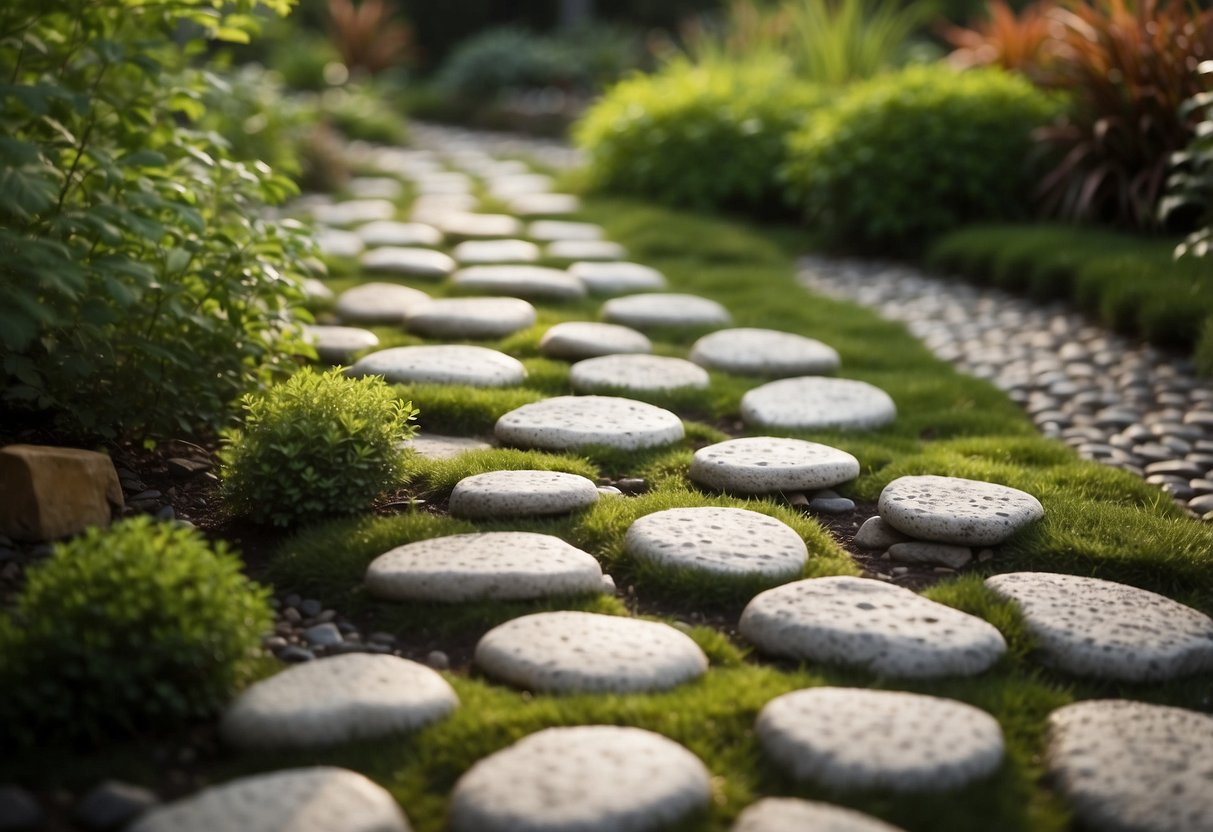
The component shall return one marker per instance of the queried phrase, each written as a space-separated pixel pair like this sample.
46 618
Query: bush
708 136
128 629
906 156
1190 186
318 444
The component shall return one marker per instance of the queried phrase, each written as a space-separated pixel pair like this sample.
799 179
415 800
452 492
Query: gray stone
418 262
544 204
764 352
470 318
936 554
518 184
568 422
815 403
442 364
434 208
956 510
1183 469
333 242
18 809
375 187
831 505
1202 503
521 494
876 534
354 212
520 280
111 805
636 373
477 226
378 303
664 310
323 635
391 233
766 464
719 540
443 182
295 655
784 814
614 278
339 344
550 231
575 340
496 251
585 250
434 446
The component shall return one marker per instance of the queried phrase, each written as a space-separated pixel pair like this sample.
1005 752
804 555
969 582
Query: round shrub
126 629
704 136
908 155
318 444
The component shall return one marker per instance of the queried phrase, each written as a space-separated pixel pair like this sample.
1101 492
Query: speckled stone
339 344
614 278
354 211
1092 627
719 540
378 303
496 251
551 231
544 205
764 352
520 280
664 310
521 494
435 446
853 738
517 184
567 422
1131 767
637 373
765 464
870 624
482 226
471 317
575 340
815 403
334 242
391 233
442 364
319 799
588 778
957 510
504 566
339 699
419 262
586 652
785 814
585 250
876 534
938 554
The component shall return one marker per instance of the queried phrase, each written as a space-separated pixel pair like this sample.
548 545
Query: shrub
127 629
1190 186
368 36
905 156
1022 42
360 112
318 444
709 136
508 58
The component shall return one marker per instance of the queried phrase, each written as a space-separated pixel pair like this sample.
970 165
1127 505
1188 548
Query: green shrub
362 112
318 444
908 155
1190 186
709 136
127 629
508 58
250 109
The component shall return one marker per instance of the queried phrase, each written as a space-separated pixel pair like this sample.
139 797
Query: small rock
113 804
933 553
609 491
310 608
183 468
274 643
291 615
382 638
797 500
166 513
876 534
438 660
18 809
985 555
608 585
831 505
1201 504
293 600
323 635
632 485
295 654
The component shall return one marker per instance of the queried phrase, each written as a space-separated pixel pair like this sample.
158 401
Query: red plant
1017 42
367 37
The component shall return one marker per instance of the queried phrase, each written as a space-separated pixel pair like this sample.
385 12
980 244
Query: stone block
48 492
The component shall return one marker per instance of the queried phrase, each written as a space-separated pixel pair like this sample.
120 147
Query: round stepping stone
575 340
471 317
853 738
315 289
496 251
870 624
444 182
420 262
580 652
722 541
354 211
505 566
588 778
764 352
338 344
586 250
379 303
608 278
640 373
673 310
1092 627
544 205
957 510
479 225
319 799
521 494
522 281
375 187
782 814
434 208
1131 767
333 242
507 187
442 364
766 464
815 403
390 233
434 446
567 422
334 700
550 231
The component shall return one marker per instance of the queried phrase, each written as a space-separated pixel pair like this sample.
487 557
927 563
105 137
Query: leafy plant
1021 42
368 36
509 58
1190 186
360 112
318 444
126 629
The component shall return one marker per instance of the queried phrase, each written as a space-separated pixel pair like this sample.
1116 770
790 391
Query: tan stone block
48 492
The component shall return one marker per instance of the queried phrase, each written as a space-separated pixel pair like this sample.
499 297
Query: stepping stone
522 281
614 278
445 182
333 242
544 204
338 344
575 340
375 187
586 250
767 464
639 373
782 814
507 187
433 208
885 629
420 262
505 566
479 225
551 231
335 700
318 799
496 251
442 364
521 494
391 233
764 352
815 403
471 317
568 422
588 778
722 541
1091 627
354 212
434 446
379 303
957 510
315 289
853 738
673 310
584 652
1131 767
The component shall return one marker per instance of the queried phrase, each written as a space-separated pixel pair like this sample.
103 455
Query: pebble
323 635
957 510
575 340
831 505
767 464
295 654
568 422
442 364
112 805
934 554
438 660
816 403
637 374
417 262
524 281
876 534
664 310
764 352
471 318
617 277
718 540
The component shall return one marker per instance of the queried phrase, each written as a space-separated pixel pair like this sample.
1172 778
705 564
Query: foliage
709 136
317 444
368 35
1190 186
249 108
140 289
904 156
361 112
1017 42
135 627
